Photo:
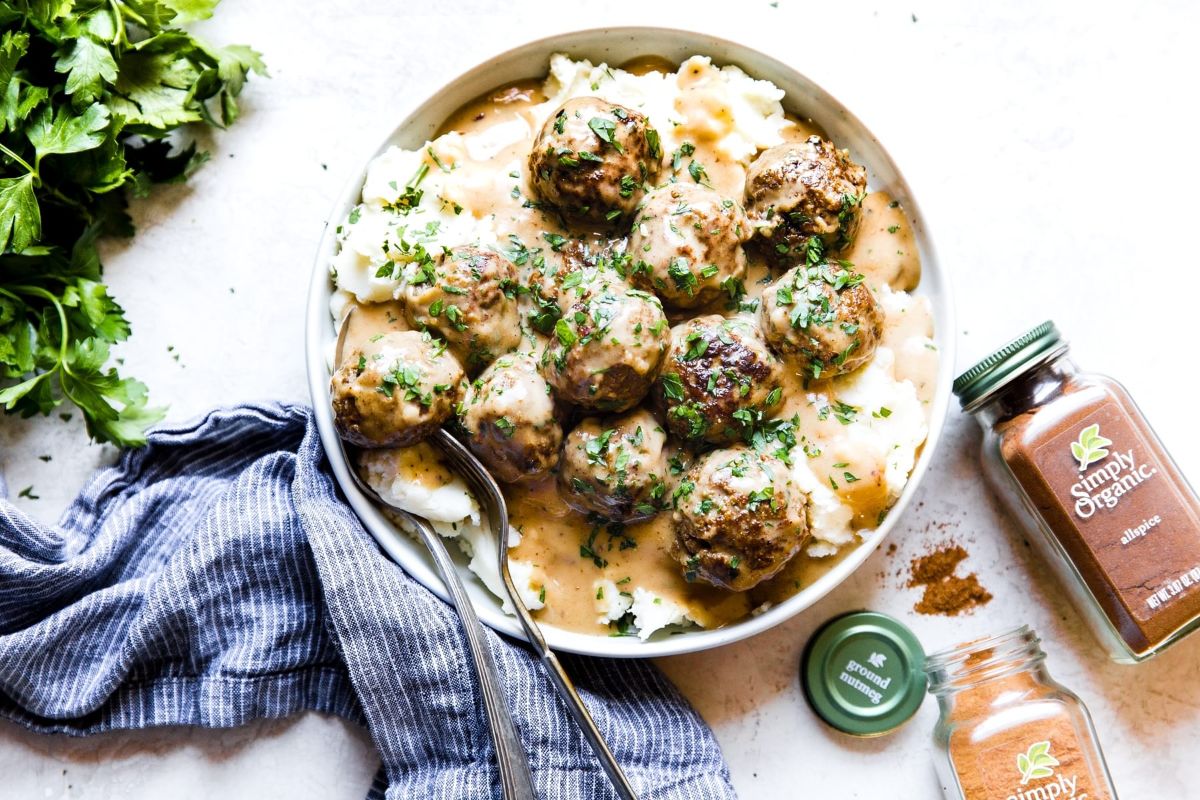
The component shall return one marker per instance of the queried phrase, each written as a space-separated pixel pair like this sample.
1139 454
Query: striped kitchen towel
215 576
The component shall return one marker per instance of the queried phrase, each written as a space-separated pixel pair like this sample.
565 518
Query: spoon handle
516 782
587 726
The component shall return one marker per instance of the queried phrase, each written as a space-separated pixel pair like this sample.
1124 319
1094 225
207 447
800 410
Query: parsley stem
122 10
70 201
62 319
22 162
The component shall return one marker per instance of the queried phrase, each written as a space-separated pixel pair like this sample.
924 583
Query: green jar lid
1006 364
864 673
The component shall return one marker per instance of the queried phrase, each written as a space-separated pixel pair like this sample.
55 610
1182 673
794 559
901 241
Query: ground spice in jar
1007 730
946 593
1109 510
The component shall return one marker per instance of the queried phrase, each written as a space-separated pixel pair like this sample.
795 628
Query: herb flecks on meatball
592 159
686 245
718 380
468 296
395 390
510 419
738 518
616 466
606 347
804 197
822 319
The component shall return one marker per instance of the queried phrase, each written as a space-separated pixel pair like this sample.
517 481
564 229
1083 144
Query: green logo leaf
1036 762
1090 448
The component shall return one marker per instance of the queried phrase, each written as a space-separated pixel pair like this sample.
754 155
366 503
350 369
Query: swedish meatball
510 418
592 159
823 320
615 467
607 346
799 191
395 389
686 245
585 254
739 519
717 379
468 296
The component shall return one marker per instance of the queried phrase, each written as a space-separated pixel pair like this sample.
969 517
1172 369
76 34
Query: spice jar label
1036 762
1116 494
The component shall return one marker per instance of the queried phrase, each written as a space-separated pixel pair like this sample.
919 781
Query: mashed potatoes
856 436
416 479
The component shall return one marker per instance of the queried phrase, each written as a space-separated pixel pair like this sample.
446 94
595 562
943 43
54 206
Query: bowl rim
318 333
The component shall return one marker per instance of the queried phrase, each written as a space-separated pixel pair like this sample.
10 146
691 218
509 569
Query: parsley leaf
20 217
88 95
88 65
606 130
64 132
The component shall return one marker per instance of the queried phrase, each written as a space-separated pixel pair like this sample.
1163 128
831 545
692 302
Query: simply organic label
1117 475
1041 770
1124 508
1039 781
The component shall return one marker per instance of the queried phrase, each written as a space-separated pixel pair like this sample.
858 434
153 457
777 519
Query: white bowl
617 45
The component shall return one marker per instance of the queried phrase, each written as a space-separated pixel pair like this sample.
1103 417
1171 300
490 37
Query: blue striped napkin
215 576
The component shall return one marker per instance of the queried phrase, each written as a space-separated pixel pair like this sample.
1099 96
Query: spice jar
1007 730
1109 511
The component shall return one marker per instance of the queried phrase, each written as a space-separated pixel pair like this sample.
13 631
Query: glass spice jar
1007 730
1073 457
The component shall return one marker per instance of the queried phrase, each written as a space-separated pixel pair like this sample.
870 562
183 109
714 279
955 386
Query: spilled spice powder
945 592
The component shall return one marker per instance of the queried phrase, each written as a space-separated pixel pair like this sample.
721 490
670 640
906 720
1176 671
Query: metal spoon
516 781
485 486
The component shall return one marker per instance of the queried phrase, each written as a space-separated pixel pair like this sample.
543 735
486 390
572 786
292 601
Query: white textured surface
1052 148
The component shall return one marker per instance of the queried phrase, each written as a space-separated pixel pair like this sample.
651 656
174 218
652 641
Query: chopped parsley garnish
760 496
605 129
672 386
566 336
844 412
597 447
685 150
682 275
437 160
653 141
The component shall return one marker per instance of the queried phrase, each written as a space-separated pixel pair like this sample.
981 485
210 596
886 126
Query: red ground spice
945 592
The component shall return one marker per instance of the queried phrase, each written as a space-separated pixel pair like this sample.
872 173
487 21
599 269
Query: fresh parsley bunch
90 91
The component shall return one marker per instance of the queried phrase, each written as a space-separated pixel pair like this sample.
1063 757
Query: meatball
510 418
718 379
555 266
606 347
468 296
592 159
395 389
686 245
823 320
803 195
738 520
615 467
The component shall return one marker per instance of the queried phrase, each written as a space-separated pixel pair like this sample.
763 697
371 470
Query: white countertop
1052 149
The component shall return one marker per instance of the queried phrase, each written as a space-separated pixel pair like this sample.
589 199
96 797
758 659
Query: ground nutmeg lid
864 673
